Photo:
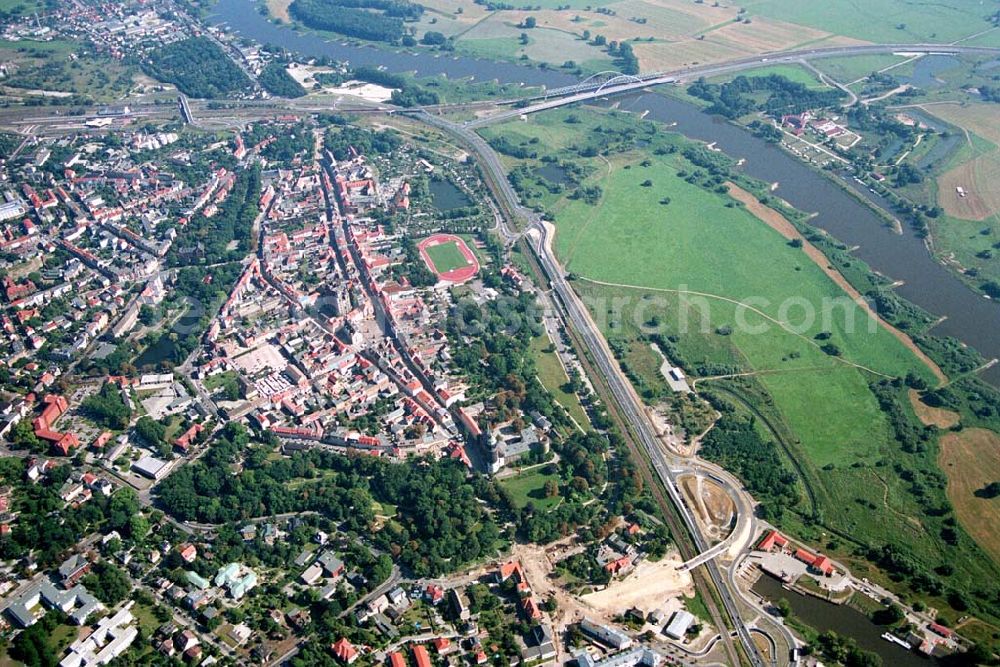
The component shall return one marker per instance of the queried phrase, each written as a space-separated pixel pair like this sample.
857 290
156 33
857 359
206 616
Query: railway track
678 530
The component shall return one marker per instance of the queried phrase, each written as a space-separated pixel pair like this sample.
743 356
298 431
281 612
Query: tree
524 38
198 67
353 18
551 488
24 436
888 615
109 583
529 22
277 81
432 38
107 407
150 431
138 527
991 490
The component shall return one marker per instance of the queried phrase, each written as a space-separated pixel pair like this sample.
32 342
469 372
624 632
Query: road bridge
594 88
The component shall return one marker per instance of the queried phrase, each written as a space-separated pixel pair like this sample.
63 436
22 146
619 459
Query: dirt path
785 326
780 224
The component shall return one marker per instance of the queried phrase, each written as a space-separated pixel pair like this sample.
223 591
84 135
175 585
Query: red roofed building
510 569
530 609
396 659
184 442
823 564
55 407
66 444
804 556
434 594
344 651
421 656
441 644
817 562
617 565
771 540
188 552
940 630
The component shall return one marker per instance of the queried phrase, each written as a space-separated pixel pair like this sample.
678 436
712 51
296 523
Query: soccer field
446 257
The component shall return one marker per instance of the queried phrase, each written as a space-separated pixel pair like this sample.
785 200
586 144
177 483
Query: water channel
845 621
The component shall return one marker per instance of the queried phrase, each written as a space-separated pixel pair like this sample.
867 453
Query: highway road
667 468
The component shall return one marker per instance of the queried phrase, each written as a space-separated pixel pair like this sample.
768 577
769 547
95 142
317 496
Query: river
969 317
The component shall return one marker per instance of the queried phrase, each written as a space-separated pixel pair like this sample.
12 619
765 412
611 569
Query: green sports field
446 257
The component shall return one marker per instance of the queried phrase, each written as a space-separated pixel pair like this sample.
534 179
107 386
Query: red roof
421 656
805 556
531 609
509 569
940 629
441 643
772 539
396 659
823 564
344 651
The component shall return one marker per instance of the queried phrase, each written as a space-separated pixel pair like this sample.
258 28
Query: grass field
446 257
971 460
213 382
553 378
498 37
881 21
632 257
47 66
529 486
795 73
847 70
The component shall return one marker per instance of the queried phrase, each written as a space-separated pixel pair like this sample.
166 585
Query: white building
679 624
112 636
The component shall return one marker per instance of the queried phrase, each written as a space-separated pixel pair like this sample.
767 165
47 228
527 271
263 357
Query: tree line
739 97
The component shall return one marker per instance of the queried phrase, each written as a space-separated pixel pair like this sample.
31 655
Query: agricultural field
971 460
651 249
882 21
969 227
664 34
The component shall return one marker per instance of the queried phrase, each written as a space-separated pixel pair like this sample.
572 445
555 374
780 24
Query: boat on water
889 637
